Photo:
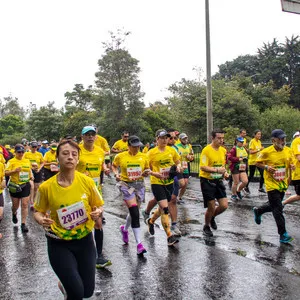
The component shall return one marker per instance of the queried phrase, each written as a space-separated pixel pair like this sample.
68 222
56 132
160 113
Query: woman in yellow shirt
2 186
74 203
19 170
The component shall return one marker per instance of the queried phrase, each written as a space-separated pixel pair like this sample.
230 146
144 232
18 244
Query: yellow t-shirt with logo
211 157
161 162
280 160
120 145
90 163
35 157
2 177
101 142
254 145
53 197
24 175
184 151
295 147
49 157
131 166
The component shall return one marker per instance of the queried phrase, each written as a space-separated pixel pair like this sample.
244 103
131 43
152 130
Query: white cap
297 133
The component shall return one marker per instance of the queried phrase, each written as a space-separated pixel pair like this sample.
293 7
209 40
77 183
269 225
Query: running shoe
102 262
145 216
24 228
246 190
124 234
150 227
103 220
207 231
239 194
257 217
172 240
262 190
213 223
180 201
141 249
285 238
14 218
233 197
175 230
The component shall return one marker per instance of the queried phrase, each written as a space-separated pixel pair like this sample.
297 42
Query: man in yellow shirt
122 144
50 163
276 160
91 163
212 172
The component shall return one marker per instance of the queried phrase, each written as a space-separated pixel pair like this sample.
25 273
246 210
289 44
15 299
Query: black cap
162 132
278 133
134 141
33 144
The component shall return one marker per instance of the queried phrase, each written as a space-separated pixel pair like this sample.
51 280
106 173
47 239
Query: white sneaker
175 230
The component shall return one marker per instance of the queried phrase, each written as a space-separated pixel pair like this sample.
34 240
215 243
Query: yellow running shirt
184 151
36 157
48 158
131 166
69 206
253 145
295 146
2 177
90 163
161 162
24 175
101 142
211 157
120 145
280 160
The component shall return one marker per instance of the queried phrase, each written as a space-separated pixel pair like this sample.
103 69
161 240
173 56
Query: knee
224 206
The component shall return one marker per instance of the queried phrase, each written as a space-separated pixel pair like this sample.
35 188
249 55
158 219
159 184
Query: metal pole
209 115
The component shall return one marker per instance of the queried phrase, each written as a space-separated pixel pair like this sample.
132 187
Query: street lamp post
209 115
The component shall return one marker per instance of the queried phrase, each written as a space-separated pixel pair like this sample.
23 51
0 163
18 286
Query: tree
11 124
11 106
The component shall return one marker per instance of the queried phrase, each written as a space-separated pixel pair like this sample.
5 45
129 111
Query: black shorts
37 176
162 192
183 175
1 200
212 189
296 184
237 171
24 193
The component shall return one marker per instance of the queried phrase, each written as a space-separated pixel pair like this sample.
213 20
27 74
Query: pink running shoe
141 249
124 234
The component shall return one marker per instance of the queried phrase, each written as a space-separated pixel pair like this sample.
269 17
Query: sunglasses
172 138
126 136
90 134
34 146
20 151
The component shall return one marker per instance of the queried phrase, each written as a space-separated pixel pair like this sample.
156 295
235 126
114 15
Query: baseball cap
182 136
134 141
53 147
162 132
45 142
19 148
297 133
33 144
7 147
240 139
87 129
278 133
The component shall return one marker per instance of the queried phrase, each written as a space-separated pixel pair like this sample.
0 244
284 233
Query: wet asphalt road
242 261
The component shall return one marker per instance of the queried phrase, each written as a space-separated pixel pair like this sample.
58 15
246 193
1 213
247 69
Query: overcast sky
49 46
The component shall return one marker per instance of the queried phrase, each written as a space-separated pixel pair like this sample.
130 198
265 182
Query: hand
292 167
107 171
3 184
226 175
271 169
222 170
18 169
179 169
146 172
96 213
46 221
118 177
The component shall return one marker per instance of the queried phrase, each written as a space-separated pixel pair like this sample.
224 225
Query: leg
251 173
275 198
24 209
261 180
236 180
183 187
244 181
223 205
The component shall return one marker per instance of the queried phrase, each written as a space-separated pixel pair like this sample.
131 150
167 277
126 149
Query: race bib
279 174
97 181
72 215
54 168
24 176
242 167
165 172
134 173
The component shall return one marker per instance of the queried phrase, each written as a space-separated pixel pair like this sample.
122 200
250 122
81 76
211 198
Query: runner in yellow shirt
276 160
74 204
121 145
19 170
133 166
212 172
37 163
91 163
2 186
51 166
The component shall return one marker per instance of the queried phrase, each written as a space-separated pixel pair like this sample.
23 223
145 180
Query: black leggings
252 169
74 264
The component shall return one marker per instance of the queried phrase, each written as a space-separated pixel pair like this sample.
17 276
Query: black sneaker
239 195
213 223
262 190
207 231
257 217
172 240
14 218
24 228
102 262
103 220
246 189
150 227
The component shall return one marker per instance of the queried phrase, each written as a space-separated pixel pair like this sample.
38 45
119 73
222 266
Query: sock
155 216
137 235
98 235
128 222
174 223
166 224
